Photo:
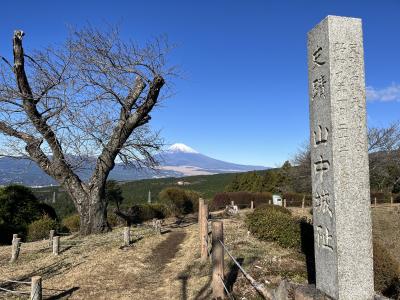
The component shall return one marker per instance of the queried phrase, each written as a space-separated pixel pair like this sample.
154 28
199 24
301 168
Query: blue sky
244 94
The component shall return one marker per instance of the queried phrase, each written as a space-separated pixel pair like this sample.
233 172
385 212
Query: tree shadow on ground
307 247
62 294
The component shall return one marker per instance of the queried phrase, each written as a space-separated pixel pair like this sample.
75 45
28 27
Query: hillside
135 192
153 267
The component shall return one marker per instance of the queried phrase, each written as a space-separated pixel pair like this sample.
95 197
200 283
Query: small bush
71 223
113 220
179 201
386 272
40 228
275 223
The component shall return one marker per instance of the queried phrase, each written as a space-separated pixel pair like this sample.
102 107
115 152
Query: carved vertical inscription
341 220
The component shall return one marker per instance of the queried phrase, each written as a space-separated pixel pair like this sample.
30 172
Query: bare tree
384 159
91 97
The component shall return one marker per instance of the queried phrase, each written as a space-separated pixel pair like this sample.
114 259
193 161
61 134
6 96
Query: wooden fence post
375 202
51 235
204 231
56 245
16 244
391 200
217 260
127 236
200 215
284 202
36 288
252 205
303 202
269 201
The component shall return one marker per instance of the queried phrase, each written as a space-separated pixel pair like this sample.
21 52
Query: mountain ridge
178 160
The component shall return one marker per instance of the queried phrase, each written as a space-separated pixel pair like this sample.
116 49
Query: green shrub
275 223
71 223
18 208
386 272
40 228
179 201
113 220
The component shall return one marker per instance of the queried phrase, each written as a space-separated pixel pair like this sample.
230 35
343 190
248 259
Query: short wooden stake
375 202
303 202
16 245
127 236
217 260
232 203
200 215
56 245
391 200
51 235
204 231
269 202
284 202
252 205
36 288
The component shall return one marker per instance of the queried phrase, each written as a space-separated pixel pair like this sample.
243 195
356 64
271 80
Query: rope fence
35 292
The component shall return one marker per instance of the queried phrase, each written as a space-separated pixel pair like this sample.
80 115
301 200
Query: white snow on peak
178 147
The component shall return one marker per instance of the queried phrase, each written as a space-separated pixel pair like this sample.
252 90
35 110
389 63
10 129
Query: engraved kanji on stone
321 135
316 57
321 166
322 202
324 238
319 87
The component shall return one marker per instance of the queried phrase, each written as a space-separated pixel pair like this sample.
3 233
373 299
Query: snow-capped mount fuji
182 158
177 161
179 147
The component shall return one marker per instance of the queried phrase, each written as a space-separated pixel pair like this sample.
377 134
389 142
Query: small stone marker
36 288
340 175
51 235
15 248
56 245
127 236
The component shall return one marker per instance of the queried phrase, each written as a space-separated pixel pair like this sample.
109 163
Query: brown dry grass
166 266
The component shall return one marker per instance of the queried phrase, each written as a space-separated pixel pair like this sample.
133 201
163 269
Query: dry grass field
164 266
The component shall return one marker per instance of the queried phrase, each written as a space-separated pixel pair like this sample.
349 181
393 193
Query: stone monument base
293 291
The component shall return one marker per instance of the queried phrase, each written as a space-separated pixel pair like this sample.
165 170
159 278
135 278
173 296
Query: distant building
183 183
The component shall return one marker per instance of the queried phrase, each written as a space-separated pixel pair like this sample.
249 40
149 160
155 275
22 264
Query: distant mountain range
179 160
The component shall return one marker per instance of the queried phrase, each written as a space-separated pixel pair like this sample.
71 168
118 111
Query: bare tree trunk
94 216
91 206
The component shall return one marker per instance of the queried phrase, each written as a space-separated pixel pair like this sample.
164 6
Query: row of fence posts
391 201
127 231
54 243
217 254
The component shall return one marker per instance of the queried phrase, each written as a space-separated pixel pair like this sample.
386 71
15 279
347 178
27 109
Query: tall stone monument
340 175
